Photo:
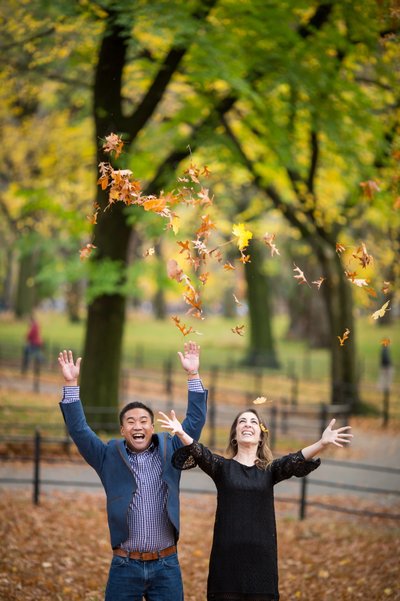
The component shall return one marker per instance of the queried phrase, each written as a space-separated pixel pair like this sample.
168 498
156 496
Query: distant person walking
33 345
386 371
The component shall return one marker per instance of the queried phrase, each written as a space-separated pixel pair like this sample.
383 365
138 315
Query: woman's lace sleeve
292 464
194 454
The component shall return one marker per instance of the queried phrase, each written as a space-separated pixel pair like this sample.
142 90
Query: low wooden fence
303 500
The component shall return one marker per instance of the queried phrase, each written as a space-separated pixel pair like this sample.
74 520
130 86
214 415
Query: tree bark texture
261 351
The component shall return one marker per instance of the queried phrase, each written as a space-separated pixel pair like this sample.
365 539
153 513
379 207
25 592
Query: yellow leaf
242 234
260 400
381 312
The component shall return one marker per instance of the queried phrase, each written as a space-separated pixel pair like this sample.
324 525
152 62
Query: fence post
284 417
386 402
139 356
294 390
36 466
258 382
272 427
323 418
303 498
168 383
36 374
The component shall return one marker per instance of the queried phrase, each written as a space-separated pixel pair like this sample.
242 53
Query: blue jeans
133 579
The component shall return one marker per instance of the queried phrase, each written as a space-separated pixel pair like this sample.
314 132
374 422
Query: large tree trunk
25 298
339 304
261 351
106 314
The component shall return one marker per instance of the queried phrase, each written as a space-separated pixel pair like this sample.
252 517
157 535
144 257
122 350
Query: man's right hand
70 370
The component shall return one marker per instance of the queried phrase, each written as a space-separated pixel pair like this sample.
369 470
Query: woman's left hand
336 437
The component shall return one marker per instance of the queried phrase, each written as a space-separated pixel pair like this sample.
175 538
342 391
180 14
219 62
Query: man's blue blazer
110 460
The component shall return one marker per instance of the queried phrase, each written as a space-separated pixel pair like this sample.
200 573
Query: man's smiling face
137 429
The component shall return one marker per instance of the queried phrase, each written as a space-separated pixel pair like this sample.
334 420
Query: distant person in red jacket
33 346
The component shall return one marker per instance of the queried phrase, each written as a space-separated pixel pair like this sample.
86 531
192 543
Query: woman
243 562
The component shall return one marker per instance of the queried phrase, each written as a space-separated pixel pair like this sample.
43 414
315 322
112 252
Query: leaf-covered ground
59 551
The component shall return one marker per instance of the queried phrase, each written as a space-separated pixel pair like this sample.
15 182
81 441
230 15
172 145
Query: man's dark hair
135 405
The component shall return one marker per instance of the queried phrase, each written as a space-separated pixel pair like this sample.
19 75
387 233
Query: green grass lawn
154 341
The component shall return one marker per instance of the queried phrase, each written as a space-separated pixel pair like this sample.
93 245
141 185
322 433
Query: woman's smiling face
248 428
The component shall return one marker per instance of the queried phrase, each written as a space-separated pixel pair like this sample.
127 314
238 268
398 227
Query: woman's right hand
171 423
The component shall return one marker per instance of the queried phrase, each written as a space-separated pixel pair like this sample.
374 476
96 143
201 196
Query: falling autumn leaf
204 277
182 327
369 188
113 143
386 287
157 205
300 275
360 282
269 241
385 341
238 330
236 300
174 271
229 267
381 312
86 251
319 282
340 248
362 256
260 400
243 235
149 252
344 337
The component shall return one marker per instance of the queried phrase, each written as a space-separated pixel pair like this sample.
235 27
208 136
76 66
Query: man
141 486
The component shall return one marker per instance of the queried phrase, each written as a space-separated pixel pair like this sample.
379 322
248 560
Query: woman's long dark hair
264 453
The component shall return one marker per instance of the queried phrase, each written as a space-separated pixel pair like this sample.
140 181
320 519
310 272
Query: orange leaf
113 143
369 188
183 328
385 341
238 330
229 267
365 259
85 252
344 337
184 246
157 205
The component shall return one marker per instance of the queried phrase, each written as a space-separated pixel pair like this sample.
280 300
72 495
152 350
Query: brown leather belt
145 555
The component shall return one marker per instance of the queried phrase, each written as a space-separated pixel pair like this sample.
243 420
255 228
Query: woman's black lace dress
243 562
